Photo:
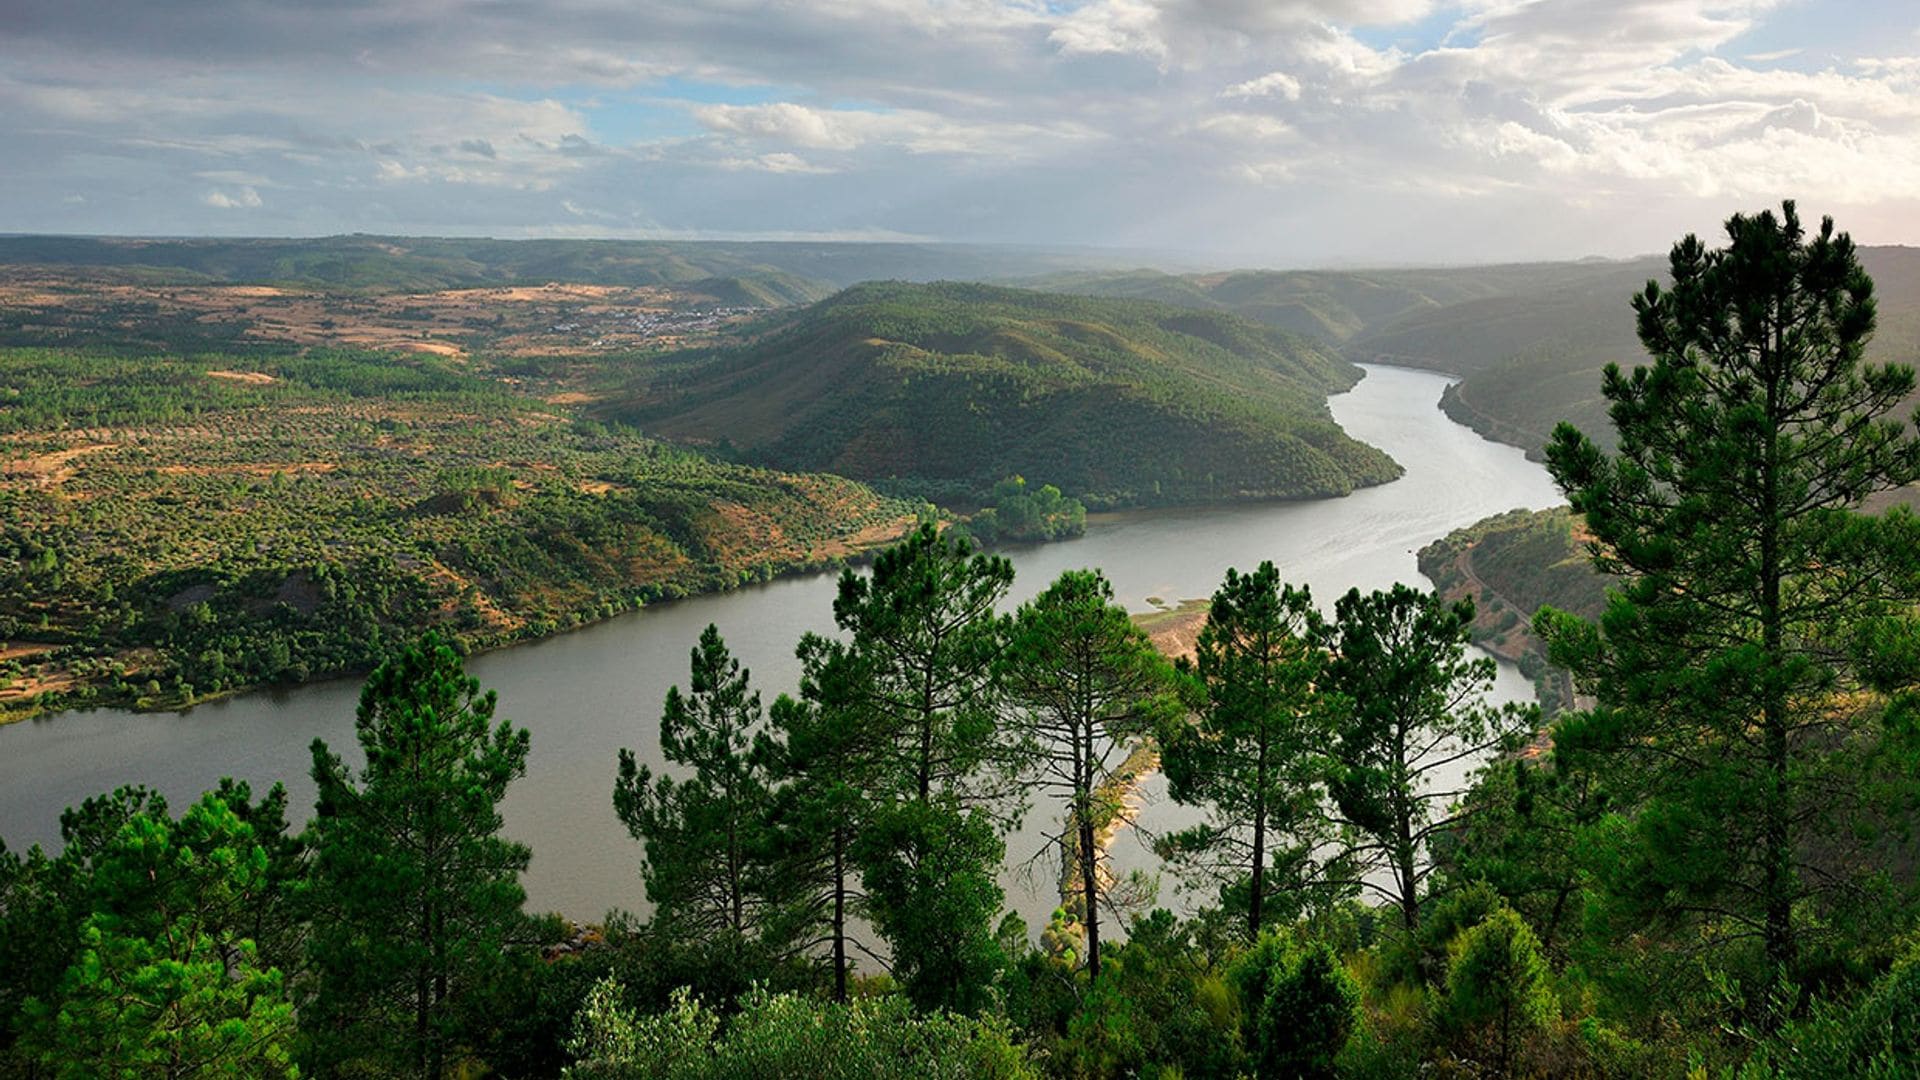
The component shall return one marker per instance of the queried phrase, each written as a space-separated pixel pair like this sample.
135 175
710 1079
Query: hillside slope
944 389
1512 565
172 528
1335 306
1533 360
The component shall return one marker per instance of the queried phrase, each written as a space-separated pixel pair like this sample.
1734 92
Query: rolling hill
1528 340
941 390
1530 361
1334 306
797 271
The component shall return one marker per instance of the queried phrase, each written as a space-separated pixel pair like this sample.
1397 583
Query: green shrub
787 1037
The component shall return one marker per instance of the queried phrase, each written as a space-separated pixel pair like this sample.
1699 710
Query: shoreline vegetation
24 660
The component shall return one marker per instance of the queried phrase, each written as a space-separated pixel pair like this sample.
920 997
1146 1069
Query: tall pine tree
708 866
1252 757
1083 683
1723 664
919 681
1412 720
415 893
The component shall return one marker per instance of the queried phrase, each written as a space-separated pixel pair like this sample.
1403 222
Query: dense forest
1704 871
948 388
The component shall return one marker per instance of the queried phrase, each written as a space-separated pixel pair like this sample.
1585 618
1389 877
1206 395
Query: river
585 694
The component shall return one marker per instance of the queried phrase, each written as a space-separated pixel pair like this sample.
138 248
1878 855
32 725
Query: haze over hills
1528 340
1333 305
380 263
946 388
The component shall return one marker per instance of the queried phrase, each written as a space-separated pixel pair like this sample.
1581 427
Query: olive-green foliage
420 894
1162 1005
1875 1037
1017 512
1498 983
786 1037
217 534
1300 1006
948 388
1423 956
162 980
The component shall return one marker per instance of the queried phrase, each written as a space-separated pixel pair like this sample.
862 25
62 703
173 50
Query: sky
1243 132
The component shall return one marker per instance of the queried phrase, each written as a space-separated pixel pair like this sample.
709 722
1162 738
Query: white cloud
1308 127
243 198
1273 84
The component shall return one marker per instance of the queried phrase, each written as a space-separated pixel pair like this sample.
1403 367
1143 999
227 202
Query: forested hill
1335 306
1547 351
791 272
944 389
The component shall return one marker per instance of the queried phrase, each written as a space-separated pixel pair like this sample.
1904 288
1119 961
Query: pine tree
1083 683
1412 711
925 638
1252 757
918 680
164 982
707 867
1724 663
416 894
825 757
1498 982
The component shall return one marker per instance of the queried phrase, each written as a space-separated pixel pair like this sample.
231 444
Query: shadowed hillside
1531 361
1335 306
944 389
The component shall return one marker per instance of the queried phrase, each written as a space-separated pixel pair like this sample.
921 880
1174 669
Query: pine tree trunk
839 913
1259 882
1090 893
1776 839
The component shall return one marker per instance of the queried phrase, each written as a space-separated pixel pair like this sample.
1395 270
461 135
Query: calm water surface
586 694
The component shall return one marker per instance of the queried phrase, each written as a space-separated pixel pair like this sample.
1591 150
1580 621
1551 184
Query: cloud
1273 84
1265 130
243 198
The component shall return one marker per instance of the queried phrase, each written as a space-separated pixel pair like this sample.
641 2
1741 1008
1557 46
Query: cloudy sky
1270 132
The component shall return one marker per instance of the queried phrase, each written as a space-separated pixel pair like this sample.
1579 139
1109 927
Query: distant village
656 324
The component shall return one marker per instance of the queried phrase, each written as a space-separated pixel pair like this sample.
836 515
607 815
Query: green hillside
175 527
1335 306
944 389
1532 360
1512 565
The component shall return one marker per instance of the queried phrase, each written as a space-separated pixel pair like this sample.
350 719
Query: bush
787 1037
1498 985
1301 1007
1877 1037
